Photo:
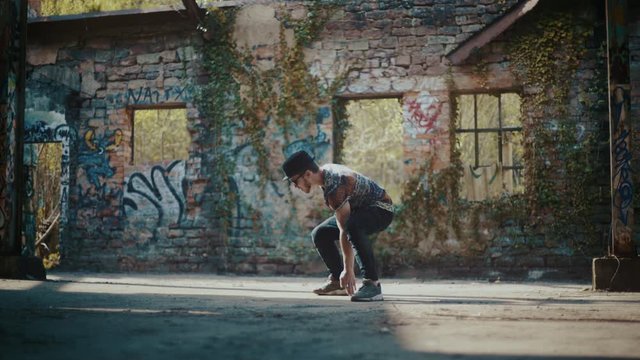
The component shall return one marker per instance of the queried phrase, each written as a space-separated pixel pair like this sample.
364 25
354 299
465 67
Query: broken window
489 137
160 135
373 142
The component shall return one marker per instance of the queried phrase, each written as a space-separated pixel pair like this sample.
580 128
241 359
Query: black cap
296 164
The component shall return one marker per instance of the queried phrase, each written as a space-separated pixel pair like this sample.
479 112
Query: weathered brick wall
121 216
400 47
511 246
159 217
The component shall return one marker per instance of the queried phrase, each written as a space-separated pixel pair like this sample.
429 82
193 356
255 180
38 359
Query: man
361 208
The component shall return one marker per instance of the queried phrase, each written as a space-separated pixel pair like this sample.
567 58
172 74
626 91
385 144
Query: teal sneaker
331 287
369 291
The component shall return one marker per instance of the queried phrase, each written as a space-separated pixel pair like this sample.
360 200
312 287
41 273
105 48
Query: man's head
298 168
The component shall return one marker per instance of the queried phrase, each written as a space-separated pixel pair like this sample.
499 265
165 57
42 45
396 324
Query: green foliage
242 100
288 93
431 207
219 100
160 135
560 165
374 142
52 260
66 7
545 55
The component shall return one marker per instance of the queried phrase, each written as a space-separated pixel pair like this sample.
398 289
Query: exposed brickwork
400 50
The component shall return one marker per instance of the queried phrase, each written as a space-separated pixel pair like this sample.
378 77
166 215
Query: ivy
545 56
219 101
241 101
561 151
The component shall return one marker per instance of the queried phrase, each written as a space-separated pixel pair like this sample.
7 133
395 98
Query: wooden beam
196 14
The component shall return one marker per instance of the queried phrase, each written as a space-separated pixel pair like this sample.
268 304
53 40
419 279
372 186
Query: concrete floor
140 316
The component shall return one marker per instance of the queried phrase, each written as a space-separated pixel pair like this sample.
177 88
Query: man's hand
348 281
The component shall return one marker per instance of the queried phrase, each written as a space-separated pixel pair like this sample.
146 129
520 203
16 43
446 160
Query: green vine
219 100
560 166
545 57
240 100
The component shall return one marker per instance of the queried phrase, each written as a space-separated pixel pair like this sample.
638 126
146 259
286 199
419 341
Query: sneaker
369 291
331 287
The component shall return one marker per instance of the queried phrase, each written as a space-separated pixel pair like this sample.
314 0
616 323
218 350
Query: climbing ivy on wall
561 159
219 100
241 100
558 139
66 7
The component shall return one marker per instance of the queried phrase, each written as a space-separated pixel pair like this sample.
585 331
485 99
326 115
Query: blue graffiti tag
624 187
94 157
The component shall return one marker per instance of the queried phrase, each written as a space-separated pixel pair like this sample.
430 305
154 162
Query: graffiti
624 187
94 158
317 145
11 127
159 189
422 114
41 132
148 96
622 183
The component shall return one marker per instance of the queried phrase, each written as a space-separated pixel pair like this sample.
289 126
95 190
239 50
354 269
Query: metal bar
475 127
488 130
500 126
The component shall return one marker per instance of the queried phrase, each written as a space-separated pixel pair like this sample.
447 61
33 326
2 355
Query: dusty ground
92 316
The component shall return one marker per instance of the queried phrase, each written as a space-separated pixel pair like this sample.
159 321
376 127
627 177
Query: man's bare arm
347 278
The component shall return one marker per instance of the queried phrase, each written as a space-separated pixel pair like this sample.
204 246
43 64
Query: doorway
43 205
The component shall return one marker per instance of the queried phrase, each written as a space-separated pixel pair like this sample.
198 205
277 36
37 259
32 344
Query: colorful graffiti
94 155
421 114
41 132
622 172
317 145
163 188
620 124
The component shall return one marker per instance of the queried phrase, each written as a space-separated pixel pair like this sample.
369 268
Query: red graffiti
424 120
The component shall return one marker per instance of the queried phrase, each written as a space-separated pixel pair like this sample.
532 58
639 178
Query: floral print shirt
342 184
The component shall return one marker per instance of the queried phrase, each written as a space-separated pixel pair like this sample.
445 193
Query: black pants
362 222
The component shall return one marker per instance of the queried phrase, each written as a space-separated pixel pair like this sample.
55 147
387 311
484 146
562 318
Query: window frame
131 110
500 130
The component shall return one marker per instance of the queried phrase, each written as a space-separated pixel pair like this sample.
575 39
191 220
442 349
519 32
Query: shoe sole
373 298
332 293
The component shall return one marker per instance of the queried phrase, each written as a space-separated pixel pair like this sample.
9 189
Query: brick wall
159 217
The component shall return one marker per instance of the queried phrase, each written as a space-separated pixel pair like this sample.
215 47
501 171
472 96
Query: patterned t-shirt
342 184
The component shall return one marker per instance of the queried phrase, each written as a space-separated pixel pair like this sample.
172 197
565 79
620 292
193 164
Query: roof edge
458 55
103 14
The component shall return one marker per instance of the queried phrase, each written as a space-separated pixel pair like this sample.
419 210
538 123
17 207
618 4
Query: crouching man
361 207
